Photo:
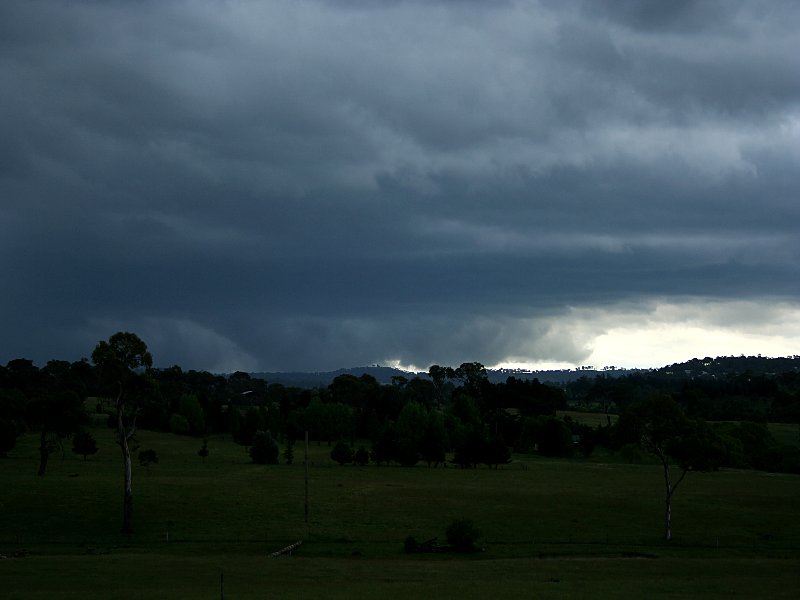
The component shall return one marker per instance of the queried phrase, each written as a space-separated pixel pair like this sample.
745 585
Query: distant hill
560 375
384 375
696 367
733 365
323 378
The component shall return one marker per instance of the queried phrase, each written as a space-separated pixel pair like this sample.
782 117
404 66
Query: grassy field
551 528
593 419
785 433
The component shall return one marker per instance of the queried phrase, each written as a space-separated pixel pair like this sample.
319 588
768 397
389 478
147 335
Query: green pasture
592 419
785 433
551 528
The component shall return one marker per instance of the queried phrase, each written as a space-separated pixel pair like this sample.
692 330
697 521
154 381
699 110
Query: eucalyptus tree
55 409
439 376
681 445
122 361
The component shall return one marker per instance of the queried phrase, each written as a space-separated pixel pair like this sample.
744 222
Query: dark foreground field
551 529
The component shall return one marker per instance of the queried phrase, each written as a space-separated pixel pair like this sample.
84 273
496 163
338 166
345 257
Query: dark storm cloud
315 184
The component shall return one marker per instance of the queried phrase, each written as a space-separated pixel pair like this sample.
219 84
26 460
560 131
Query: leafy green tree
264 449
495 452
587 438
757 444
54 408
555 437
190 409
8 436
148 457
288 453
470 451
83 443
384 444
662 429
462 535
317 420
528 434
120 363
434 439
244 427
422 391
12 404
203 452
439 376
472 375
234 422
361 457
342 453
178 424
465 408
340 421
409 429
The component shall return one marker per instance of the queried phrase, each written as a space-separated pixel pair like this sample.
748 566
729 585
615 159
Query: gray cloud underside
312 184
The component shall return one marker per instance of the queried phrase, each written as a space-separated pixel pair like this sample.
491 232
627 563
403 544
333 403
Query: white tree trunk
124 436
669 491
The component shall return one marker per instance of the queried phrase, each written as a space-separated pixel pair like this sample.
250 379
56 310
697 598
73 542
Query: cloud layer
311 185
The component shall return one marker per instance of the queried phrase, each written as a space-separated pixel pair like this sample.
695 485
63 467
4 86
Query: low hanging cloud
311 185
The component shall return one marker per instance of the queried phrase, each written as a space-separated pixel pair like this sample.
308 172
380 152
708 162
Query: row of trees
456 412
703 389
410 420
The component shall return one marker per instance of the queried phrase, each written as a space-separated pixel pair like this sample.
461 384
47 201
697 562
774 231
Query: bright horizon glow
673 333
662 333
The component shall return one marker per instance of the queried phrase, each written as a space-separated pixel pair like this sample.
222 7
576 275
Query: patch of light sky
665 333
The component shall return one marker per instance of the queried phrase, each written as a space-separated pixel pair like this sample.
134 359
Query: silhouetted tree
264 449
409 430
470 451
434 440
384 444
555 437
148 457
288 453
342 453
462 535
8 436
203 452
495 452
54 408
439 376
662 429
83 443
361 456
190 409
119 362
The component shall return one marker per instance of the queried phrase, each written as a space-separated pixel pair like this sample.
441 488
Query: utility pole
306 463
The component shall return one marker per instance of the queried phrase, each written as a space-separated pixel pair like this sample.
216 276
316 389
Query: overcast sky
310 185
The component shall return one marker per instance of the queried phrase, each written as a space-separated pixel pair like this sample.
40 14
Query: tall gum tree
55 408
681 445
121 362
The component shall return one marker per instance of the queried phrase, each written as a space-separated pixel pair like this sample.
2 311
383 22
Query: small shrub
410 545
631 453
8 437
361 456
178 424
288 453
264 450
83 443
555 438
462 535
148 457
203 452
342 453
